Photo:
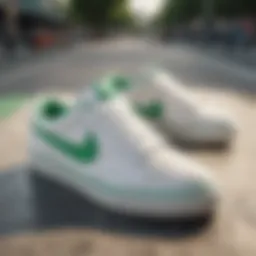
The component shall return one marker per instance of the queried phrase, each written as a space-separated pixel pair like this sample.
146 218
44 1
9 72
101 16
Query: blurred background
119 34
36 24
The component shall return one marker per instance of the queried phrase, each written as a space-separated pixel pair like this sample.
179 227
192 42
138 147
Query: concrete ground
233 232
234 229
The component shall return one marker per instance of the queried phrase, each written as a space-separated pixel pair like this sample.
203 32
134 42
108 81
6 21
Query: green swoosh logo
86 151
152 111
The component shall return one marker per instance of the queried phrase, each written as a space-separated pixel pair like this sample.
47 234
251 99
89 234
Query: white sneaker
104 151
174 109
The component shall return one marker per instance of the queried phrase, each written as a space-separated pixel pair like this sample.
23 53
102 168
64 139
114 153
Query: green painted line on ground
10 104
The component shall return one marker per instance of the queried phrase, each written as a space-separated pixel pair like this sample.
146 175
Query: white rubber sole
130 206
184 139
53 168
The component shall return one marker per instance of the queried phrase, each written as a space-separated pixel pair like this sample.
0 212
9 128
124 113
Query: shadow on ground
29 202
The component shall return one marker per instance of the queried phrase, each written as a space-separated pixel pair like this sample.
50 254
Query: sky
146 8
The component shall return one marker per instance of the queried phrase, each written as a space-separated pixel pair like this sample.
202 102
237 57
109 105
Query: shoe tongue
87 97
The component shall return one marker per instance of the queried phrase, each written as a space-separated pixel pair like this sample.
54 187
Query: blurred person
242 33
10 29
248 28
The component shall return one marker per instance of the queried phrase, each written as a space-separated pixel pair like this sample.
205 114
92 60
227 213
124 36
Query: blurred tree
229 8
120 14
176 11
100 14
183 10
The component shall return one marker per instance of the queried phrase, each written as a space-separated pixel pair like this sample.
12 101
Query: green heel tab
52 109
